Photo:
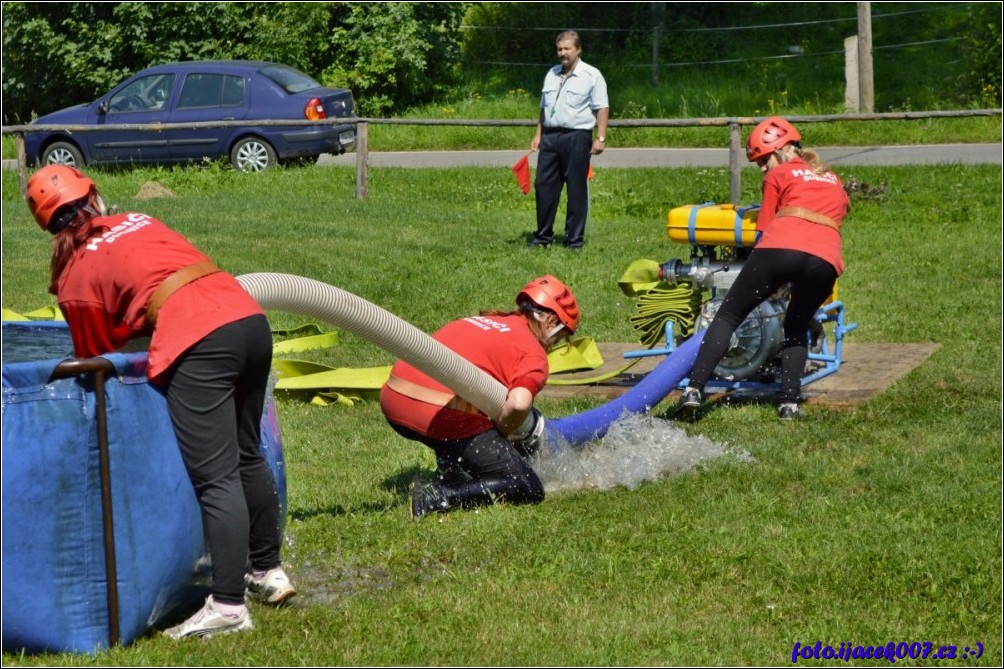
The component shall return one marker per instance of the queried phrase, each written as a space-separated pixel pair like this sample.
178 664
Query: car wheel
252 155
62 153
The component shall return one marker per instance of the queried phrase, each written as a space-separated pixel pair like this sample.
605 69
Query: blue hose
581 428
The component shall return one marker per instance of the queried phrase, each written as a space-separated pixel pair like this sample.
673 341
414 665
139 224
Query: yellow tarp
324 385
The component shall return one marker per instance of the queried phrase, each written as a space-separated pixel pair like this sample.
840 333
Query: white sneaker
789 411
689 402
208 621
274 587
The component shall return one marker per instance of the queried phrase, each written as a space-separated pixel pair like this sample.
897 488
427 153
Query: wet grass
865 525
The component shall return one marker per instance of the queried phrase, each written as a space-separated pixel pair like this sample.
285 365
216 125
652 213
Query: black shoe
428 498
534 243
789 411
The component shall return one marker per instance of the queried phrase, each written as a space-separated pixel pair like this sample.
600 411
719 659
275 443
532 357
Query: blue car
202 91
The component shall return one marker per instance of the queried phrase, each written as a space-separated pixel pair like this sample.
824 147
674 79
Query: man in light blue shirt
572 103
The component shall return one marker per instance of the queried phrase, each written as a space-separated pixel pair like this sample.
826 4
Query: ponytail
811 159
67 241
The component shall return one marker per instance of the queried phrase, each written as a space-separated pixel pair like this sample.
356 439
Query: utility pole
866 76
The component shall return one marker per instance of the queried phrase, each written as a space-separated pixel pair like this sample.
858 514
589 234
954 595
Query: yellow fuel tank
711 224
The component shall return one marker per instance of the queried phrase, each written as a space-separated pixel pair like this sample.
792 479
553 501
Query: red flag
522 171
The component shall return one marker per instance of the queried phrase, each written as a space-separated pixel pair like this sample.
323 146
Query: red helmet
53 187
769 136
549 293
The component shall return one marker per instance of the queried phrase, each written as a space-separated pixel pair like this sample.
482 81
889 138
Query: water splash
636 448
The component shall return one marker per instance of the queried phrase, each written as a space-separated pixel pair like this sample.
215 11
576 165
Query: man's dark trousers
563 161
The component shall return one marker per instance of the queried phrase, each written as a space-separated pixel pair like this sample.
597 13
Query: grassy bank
864 525
843 133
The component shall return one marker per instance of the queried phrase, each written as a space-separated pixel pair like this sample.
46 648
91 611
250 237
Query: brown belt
809 215
430 396
171 284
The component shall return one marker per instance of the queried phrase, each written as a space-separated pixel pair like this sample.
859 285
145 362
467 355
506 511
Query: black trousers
481 470
563 162
216 395
812 280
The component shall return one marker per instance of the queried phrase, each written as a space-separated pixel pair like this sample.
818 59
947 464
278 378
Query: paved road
858 155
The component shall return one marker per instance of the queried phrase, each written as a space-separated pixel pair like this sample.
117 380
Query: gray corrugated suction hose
308 297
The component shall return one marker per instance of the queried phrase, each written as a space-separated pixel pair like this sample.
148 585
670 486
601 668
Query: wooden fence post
362 159
21 164
735 162
866 81
852 92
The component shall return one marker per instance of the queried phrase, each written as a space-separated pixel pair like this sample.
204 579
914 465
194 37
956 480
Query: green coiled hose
658 301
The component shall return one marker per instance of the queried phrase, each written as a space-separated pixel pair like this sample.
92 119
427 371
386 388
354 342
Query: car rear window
290 80
211 90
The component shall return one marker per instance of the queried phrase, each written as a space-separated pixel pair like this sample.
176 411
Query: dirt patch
152 189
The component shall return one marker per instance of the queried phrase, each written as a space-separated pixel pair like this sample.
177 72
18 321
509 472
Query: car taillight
315 110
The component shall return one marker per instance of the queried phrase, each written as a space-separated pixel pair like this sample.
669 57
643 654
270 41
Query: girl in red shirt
480 461
119 277
803 207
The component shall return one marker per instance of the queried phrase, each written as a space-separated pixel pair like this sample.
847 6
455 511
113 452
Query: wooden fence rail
734 124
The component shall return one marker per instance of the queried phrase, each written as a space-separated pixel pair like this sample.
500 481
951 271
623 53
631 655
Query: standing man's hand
599 143
538 133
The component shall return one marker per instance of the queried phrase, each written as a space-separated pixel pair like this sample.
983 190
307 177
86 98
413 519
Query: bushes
982 56
391 54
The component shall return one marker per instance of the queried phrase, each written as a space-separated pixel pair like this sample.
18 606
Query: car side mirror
103 107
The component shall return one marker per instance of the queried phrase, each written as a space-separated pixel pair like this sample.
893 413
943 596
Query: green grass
721 93
866 525
906 80
400 137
